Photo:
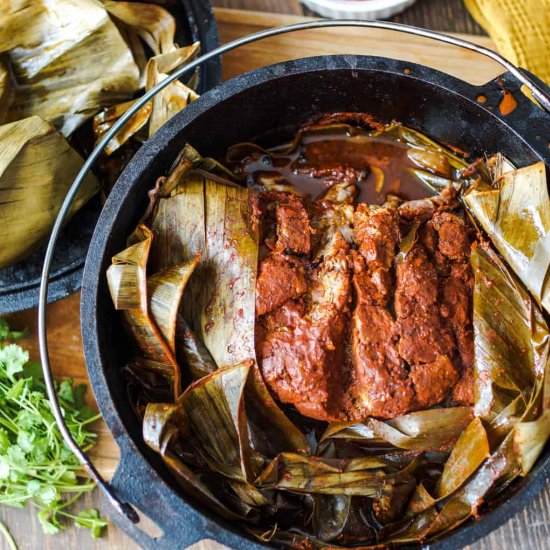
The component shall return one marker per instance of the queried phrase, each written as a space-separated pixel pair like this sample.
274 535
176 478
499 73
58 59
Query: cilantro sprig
36 466
7 334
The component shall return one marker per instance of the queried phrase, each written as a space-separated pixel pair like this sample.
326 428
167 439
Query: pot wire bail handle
123 507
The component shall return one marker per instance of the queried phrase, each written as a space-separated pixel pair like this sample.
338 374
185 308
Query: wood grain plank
447 16
236 23
271 6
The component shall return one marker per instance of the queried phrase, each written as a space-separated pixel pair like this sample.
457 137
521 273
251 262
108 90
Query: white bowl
356 9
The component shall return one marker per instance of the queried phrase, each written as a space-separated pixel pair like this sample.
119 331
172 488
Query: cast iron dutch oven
19 283
258 105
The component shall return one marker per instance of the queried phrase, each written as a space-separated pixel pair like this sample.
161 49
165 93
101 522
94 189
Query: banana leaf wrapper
65 73
313 475
37 167
162 426
424 473
510 337
197 209
155 330
154 25
201 215
105 119
429 430
217 400
213 423
150 304
437 166
6 92
514 211
175 97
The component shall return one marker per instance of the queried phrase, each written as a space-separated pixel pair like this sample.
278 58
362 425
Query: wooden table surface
529 529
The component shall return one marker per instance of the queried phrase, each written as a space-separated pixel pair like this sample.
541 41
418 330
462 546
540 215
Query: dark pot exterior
243 109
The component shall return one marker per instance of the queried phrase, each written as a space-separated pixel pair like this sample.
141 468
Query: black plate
19 284
272 98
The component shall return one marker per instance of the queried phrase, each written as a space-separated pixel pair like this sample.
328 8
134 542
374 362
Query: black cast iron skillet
250 107
19 284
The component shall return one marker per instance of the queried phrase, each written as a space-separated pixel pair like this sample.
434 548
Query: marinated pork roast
363 309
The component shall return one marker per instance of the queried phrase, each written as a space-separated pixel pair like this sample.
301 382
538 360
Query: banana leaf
6 92
65 73
148 382
342 521
432 429
313 475
214 412
530 437
407 242
165 290
217 219
531 433
433 182
194 354
160 109
297 539
195 190
150 304
265 416
511 339
420 501
434 155
37 167
249 495
431 160
105 119
429 519
175 96
515 213
330 515
161 427
467 500
468 453
152 23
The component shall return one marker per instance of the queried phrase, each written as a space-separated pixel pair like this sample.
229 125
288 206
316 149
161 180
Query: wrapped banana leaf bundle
64 62
341 341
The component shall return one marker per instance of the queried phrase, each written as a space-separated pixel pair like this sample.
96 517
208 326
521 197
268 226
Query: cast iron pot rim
463 535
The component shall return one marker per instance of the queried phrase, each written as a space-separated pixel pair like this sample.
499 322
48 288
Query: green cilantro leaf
90 519
4 441
13 358
35 464
66 391
25 440
33 487
50 524
7 334
15 391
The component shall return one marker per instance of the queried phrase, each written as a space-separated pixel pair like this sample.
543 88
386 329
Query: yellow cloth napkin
520 30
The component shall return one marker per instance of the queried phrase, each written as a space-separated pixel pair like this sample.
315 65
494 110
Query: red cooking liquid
370 157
